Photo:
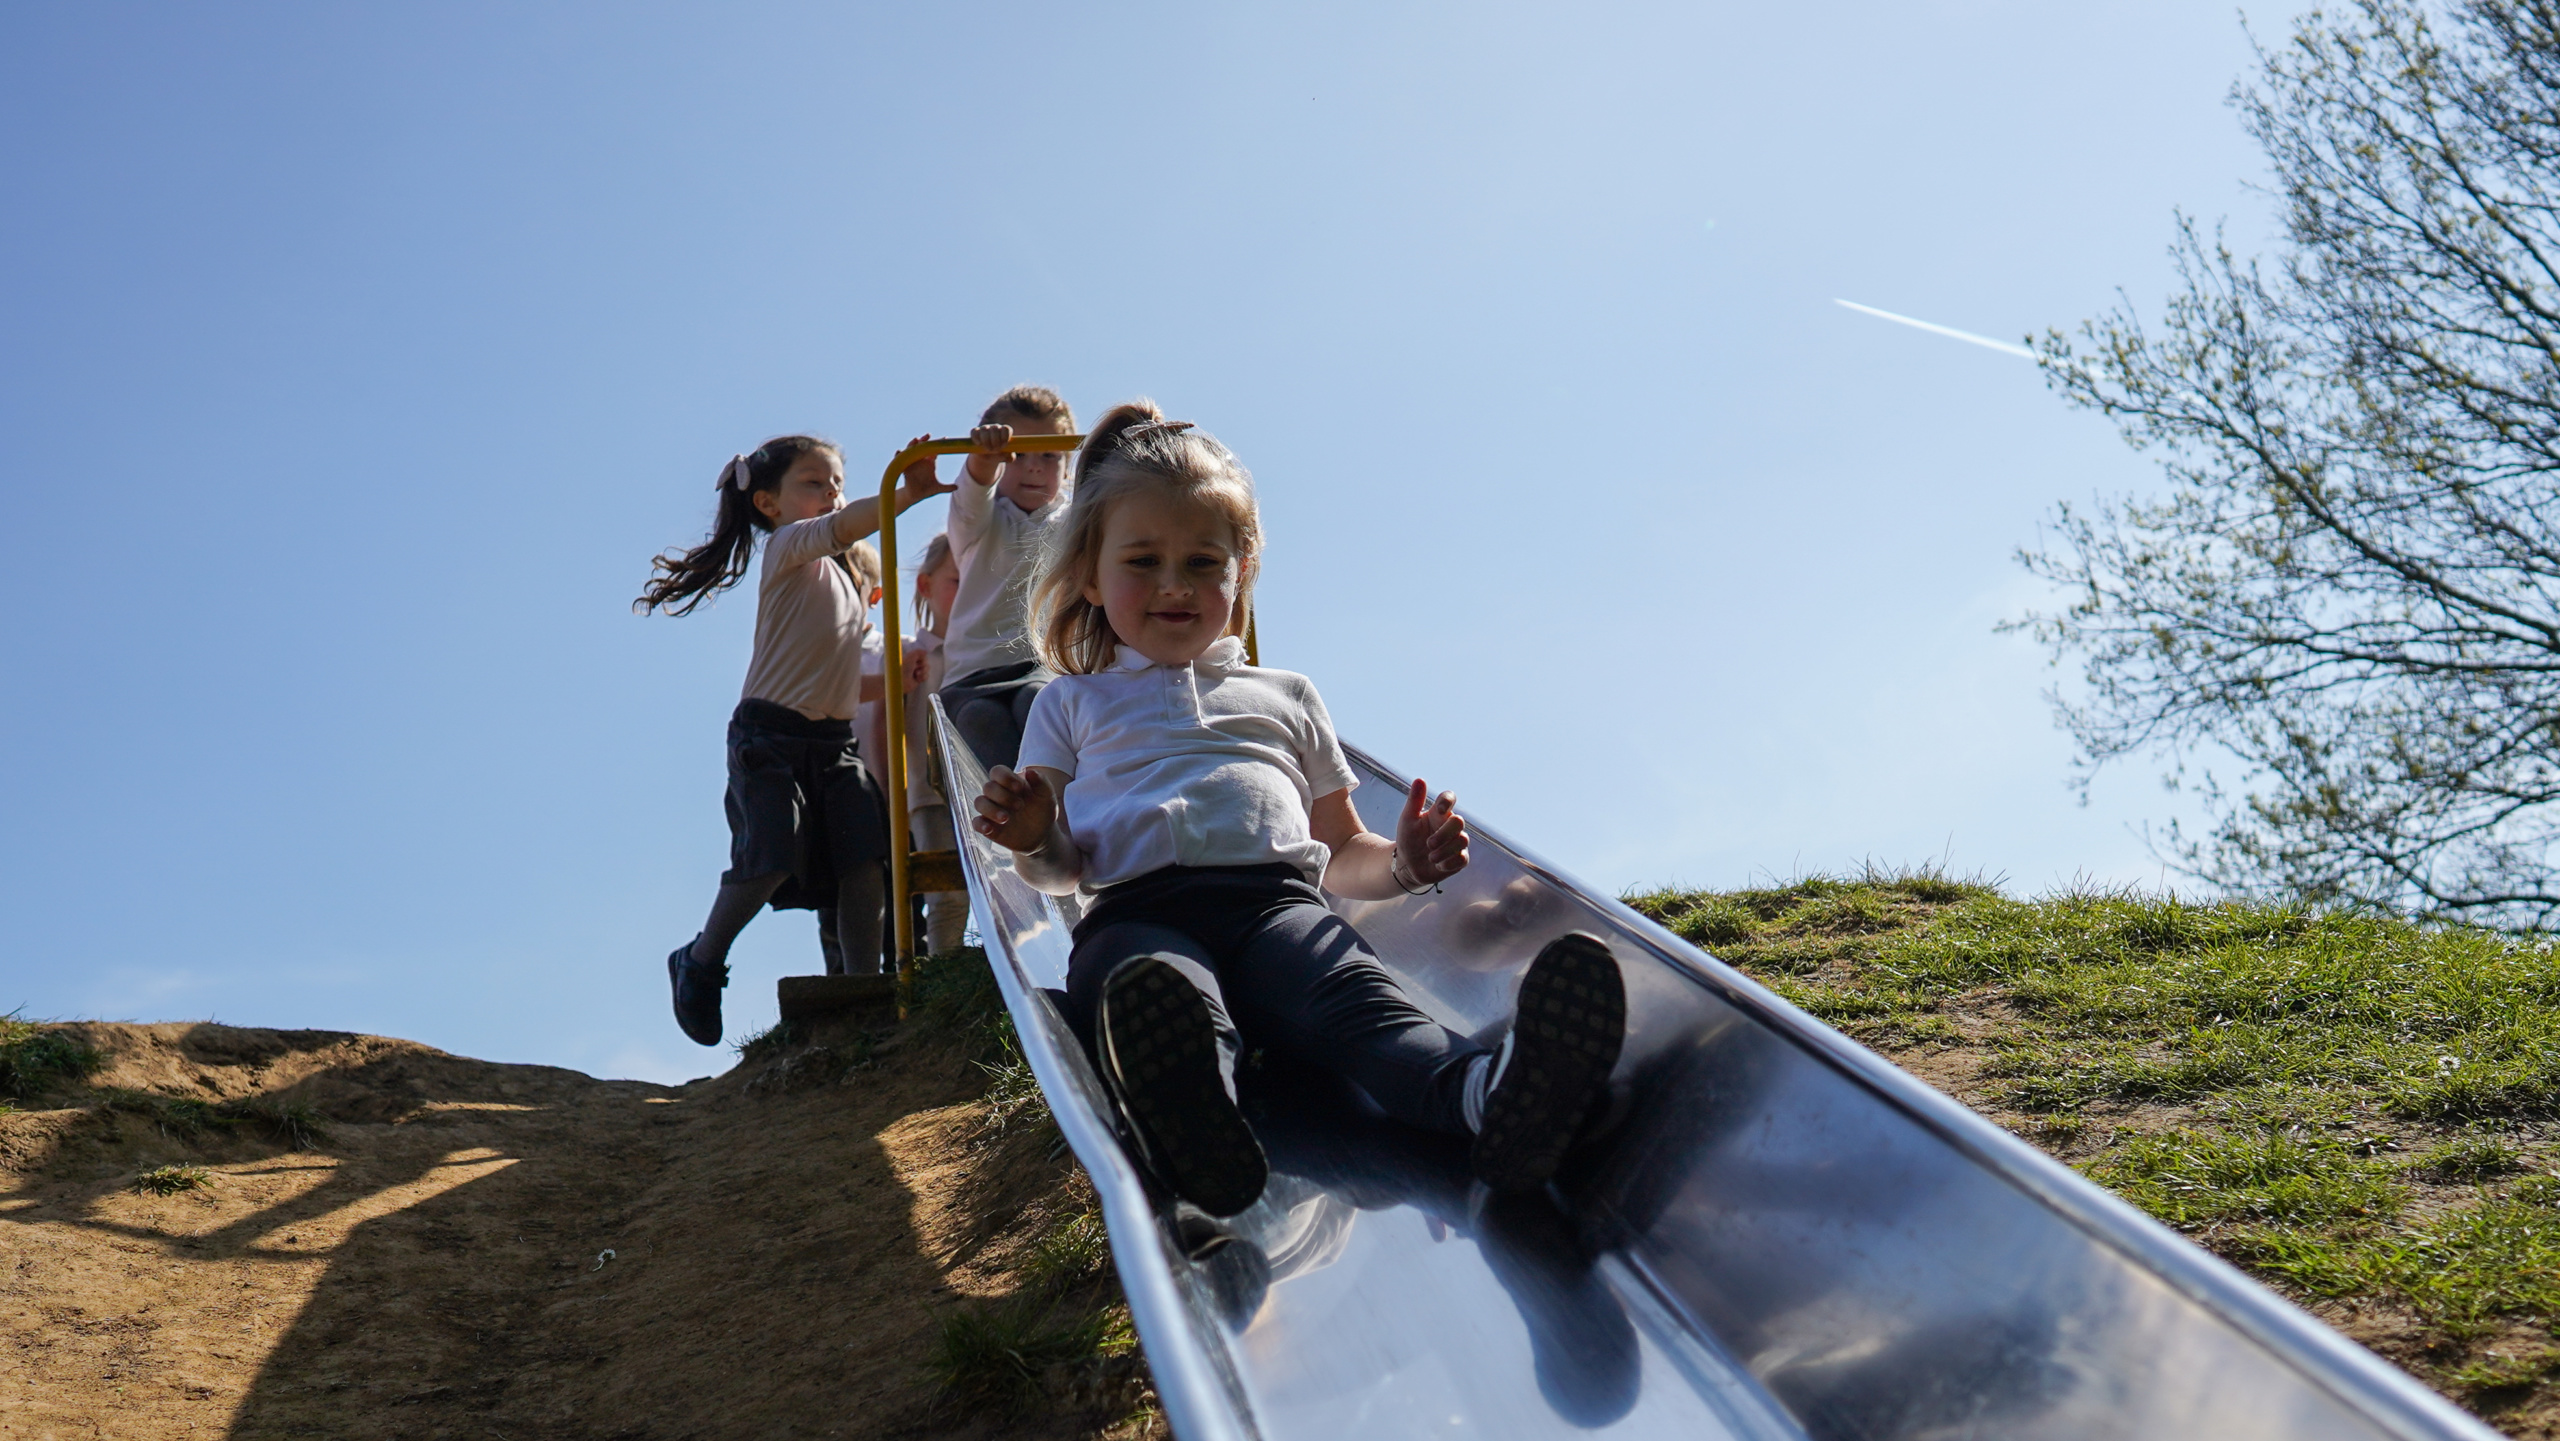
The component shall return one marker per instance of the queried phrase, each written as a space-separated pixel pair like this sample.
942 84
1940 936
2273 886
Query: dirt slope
785 1242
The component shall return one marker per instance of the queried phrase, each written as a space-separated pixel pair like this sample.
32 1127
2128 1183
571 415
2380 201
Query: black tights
990 707
856 916
1281 973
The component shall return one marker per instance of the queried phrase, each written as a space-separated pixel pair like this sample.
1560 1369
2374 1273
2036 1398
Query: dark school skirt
800 803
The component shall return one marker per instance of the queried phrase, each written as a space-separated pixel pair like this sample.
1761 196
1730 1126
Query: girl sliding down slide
807 827
1200 802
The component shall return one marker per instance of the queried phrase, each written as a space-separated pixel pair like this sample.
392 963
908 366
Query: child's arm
1430 845
1019 811
861 515
827 534
875 743
967 522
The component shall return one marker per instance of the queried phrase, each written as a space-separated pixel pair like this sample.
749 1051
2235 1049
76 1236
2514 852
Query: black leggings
1281 973
990 707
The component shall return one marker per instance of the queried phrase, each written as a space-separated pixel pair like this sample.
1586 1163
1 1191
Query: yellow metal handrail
893 669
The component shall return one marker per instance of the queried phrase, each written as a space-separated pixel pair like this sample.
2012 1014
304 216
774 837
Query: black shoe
1235 1272
697 993
1160 1056
1565 1034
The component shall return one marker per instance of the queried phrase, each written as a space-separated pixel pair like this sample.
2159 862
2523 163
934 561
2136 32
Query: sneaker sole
1570 1023
1163 1049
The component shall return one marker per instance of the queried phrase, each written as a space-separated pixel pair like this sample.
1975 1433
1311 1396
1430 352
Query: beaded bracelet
1397 871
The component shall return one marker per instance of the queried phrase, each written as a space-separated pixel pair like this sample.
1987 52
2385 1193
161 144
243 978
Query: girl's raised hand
1017 809
923 478
1431 837
991 441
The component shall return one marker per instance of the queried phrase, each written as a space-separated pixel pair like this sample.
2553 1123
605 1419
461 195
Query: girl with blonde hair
1203 805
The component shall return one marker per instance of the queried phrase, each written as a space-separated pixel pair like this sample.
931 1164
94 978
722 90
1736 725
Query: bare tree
2351 580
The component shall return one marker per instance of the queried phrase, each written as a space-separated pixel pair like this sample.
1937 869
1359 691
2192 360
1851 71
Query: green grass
1016 1353
769 1043
289 1123
1064 1329
184 1118
170 1180
956 994
1075 1252
35 1057
1061 1331
2349 1105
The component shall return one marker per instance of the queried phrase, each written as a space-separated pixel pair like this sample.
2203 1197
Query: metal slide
1785 1236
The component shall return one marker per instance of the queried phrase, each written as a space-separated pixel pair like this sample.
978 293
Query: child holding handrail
807 827
1200 802
1002 514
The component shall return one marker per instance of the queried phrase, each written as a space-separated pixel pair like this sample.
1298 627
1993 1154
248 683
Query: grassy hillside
2355 1110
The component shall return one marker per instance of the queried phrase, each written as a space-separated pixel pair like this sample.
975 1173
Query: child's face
812 487
1030 480
942 589
1168 575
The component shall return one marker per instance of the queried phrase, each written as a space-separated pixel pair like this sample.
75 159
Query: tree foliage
2351 579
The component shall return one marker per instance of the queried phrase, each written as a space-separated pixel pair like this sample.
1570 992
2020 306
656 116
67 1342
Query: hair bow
734 473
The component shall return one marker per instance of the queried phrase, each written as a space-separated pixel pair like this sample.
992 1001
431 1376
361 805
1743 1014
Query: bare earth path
784 1242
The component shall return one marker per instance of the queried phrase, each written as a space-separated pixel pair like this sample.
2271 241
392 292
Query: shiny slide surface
1783 1237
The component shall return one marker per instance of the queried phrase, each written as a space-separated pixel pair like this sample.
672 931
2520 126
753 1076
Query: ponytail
680 581
1132 446
1110 435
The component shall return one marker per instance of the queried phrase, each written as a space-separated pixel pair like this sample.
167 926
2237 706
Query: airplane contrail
1946 330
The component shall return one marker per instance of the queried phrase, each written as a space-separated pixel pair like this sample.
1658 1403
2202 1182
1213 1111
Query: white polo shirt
1215 763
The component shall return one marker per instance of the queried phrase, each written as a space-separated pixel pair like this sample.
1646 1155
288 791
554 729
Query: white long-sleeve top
811 618
995 543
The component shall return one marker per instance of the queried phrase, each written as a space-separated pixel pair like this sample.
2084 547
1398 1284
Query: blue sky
354 360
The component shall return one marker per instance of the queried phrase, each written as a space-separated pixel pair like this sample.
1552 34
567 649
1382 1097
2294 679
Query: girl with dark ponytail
807 828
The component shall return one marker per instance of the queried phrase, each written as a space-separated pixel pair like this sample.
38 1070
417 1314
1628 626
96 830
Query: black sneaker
1565 1034
1235 1272
1160 1055
697 993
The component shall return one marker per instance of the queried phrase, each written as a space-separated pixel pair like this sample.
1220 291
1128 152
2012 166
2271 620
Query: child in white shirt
1002 515
807 827
1200 802
928 810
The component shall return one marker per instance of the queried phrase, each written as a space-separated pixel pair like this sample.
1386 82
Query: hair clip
1170 427
734 473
